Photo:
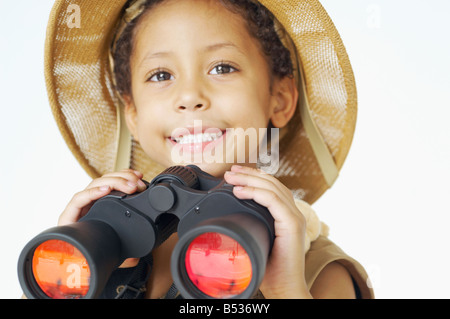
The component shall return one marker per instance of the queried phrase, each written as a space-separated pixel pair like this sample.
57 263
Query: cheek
249 95
149 128
251 110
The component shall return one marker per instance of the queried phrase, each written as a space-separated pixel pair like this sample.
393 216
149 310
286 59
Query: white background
389 208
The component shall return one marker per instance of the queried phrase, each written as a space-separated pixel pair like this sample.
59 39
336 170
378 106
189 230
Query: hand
127 181
285 272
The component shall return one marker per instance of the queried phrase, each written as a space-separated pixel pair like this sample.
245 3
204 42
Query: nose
191 96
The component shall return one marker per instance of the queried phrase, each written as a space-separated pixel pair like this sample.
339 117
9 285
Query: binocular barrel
73 261
222 249
221 258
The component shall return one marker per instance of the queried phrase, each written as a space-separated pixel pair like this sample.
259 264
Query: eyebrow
222 45
209 48
155 55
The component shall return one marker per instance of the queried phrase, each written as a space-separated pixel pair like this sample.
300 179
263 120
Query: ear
285 95
131 116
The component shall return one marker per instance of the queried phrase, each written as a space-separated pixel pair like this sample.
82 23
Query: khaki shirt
323 252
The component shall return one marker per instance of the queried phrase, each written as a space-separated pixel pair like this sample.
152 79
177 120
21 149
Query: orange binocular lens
61 270
218 265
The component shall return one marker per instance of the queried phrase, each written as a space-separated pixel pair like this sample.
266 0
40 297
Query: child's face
194 63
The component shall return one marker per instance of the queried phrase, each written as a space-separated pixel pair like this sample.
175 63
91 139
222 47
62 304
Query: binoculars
222 251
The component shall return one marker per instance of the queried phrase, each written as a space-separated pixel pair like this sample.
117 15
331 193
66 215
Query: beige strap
123 154
324 158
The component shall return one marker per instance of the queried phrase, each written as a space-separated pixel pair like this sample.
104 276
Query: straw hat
88 113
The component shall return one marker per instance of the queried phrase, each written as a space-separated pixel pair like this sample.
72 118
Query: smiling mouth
197 138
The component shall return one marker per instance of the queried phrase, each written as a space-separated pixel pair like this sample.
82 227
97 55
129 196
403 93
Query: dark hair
260 25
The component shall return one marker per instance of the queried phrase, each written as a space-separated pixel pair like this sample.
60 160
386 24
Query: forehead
178 21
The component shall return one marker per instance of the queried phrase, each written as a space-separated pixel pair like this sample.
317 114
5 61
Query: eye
223 68
160 76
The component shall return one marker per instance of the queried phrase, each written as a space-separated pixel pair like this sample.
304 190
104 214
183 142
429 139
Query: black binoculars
223 245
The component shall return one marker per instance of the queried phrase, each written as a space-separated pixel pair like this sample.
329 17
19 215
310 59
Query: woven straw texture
83 100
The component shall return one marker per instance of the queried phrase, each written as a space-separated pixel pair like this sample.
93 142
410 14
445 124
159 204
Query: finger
257 180
249 170
126 172
283 214
262 174
79 201
126 184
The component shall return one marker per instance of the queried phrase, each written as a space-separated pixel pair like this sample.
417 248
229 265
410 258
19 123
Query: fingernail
104 188
237 166
141 184
230 173
238 188
132 184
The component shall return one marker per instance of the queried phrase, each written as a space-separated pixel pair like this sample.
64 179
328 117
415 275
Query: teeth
198 138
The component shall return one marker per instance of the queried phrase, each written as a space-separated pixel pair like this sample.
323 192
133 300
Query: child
211 66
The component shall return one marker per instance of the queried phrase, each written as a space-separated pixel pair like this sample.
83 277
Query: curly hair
260 23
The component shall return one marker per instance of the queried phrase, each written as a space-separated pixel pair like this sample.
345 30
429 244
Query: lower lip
198 147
